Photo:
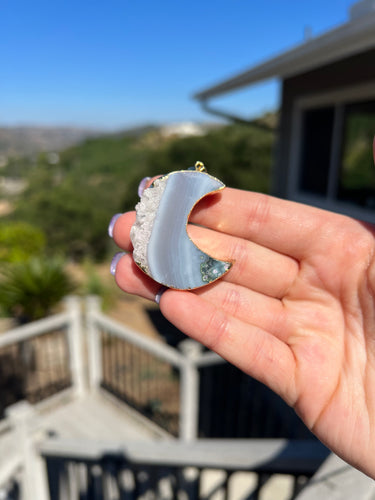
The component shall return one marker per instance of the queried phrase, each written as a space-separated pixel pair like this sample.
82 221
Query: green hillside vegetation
358 173
71 201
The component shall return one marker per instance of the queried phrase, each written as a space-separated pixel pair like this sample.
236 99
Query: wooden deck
91 417
97 416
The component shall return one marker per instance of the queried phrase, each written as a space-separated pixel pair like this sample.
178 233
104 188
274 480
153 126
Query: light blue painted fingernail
112 224
142 185
116 258
160 293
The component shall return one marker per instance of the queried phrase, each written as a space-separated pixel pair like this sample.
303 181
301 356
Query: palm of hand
303 324
330 337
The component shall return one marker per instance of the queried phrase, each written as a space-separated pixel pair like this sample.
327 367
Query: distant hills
28 140
22 141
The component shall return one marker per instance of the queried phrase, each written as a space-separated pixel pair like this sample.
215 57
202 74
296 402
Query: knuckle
231 301
216 330
259 212
240 255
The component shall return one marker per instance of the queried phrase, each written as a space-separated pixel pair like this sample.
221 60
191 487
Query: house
327 122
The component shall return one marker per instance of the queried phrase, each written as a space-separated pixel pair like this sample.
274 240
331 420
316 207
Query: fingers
121 231
235 300
283 226
248 306
132 280
254 266
252 349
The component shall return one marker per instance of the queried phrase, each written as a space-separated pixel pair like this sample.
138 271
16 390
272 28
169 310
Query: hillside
72 198
27 140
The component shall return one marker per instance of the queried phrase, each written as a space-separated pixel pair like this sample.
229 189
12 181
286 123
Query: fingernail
142 185
112 224
160 293
115 261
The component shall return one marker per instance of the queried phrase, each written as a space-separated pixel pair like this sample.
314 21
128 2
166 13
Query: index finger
283 226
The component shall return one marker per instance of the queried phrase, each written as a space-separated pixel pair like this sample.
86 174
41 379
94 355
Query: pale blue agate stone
172 258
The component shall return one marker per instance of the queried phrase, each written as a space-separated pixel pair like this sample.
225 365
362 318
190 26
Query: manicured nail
142 185
115 261
112 224
160 293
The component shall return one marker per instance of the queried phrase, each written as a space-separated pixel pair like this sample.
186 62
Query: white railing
89 375
20 474
86 370
176 469
70 320
10 478
188 361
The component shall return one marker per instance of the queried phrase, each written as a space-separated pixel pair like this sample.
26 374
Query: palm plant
30 289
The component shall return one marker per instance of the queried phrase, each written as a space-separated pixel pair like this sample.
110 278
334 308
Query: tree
19 241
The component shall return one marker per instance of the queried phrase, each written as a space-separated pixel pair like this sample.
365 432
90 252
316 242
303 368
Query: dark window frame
337 100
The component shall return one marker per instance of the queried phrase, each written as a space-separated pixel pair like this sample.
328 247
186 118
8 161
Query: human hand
296 311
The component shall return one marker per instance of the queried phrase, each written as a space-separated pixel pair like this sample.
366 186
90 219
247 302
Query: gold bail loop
200 166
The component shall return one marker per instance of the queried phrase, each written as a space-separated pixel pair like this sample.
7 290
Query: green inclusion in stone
212 269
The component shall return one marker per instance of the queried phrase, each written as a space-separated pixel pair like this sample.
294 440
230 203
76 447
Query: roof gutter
233 117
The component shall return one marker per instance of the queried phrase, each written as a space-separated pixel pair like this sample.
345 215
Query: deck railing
235 405
176 469
135 368
138 369
40 359
148 383
10 481
188 391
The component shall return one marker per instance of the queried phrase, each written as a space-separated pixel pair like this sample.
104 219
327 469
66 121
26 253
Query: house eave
349 39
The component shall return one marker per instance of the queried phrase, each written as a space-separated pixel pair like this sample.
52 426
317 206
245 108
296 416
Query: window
357 173
332 163
317 130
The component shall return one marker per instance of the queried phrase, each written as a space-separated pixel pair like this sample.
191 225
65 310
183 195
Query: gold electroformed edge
203 171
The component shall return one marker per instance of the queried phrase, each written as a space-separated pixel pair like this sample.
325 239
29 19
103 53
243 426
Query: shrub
19 241
29 290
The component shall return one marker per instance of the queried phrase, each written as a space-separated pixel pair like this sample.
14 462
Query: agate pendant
162 247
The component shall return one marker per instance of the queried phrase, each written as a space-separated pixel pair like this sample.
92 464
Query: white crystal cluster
141 230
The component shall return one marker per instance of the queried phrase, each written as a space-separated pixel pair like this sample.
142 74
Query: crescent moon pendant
162 246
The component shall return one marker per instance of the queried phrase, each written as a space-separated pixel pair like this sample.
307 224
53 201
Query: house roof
349 39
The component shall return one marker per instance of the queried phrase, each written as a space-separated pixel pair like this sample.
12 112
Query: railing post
189 391
76 359
94 347
34 481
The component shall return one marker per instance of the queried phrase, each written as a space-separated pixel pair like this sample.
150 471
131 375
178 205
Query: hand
296 311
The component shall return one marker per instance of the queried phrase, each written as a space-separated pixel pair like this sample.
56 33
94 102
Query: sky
117 64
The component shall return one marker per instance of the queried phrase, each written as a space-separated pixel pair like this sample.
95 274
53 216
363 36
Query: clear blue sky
118 63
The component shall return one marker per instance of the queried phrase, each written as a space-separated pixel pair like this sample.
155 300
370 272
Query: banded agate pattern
162 247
